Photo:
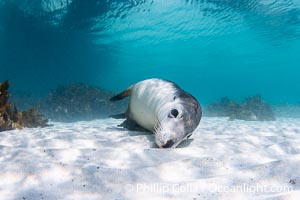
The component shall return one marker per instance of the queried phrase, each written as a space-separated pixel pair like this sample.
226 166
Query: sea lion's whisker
155 130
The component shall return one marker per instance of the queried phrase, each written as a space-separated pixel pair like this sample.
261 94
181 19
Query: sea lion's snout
165 140
169 144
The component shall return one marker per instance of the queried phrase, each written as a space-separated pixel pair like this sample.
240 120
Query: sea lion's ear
121 95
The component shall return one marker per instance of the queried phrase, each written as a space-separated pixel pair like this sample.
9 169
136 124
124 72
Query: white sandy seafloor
95 160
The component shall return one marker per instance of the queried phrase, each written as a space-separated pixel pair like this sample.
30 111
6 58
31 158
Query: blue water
211 48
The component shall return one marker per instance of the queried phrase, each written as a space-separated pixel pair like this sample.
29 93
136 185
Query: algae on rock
79 101
253 108
11 118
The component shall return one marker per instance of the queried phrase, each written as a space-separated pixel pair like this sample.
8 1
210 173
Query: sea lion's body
161 107
146 100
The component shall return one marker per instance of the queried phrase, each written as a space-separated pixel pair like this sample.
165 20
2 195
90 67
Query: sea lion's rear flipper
132 126
121 95
119 116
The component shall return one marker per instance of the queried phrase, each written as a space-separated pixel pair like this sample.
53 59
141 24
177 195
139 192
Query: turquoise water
211 48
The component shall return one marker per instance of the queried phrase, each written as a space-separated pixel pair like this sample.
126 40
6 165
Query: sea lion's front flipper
119 116
121 95
132 126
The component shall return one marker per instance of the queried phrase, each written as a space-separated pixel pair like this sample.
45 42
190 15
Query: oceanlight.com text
164 188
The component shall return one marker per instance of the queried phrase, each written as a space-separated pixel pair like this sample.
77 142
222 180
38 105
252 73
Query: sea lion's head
177 120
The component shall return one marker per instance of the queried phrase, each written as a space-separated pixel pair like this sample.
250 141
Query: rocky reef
252 108
79 101
11 118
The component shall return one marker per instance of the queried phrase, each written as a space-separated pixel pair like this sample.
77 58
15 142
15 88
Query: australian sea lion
162 107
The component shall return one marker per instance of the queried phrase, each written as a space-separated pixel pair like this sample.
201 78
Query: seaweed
253 108
5 111
31 118
11 118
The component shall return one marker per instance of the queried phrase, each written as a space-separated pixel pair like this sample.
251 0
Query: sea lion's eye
174 113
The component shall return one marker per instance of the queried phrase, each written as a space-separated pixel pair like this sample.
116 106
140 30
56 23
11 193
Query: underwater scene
149 99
